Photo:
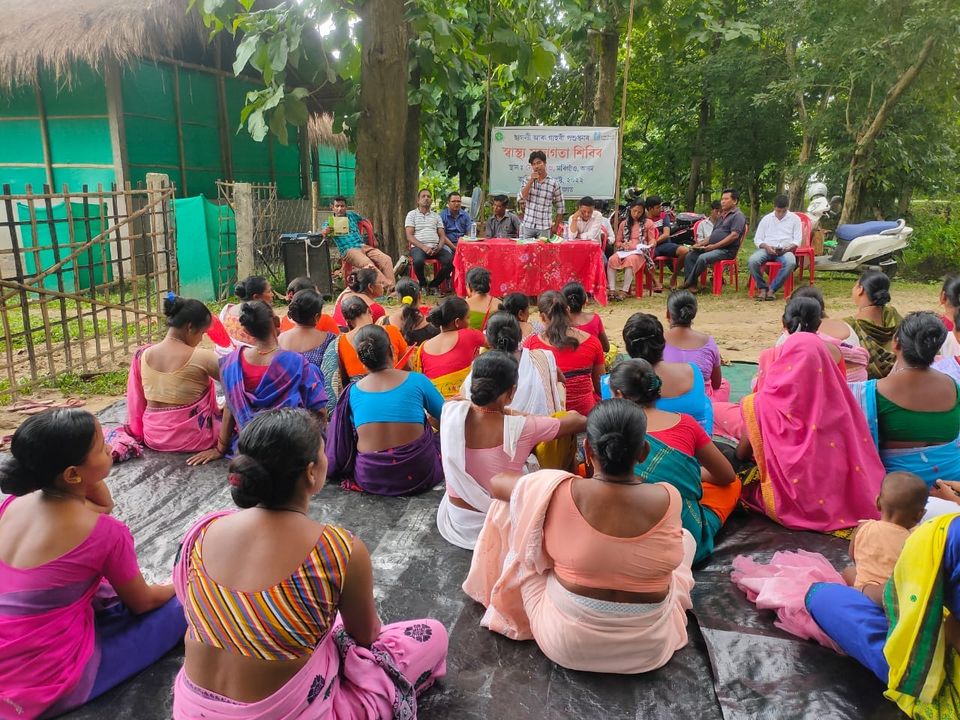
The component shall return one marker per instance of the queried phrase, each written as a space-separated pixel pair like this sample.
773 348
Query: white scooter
860 246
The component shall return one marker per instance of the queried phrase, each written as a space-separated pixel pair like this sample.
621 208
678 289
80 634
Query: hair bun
14 477
612 446
172 304
250 482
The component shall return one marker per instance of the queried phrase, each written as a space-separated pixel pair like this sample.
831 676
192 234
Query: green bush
934 249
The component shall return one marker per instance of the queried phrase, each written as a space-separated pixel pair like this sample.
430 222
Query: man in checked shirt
539 196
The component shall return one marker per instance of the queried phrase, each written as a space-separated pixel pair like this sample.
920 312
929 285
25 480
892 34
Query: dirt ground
741 326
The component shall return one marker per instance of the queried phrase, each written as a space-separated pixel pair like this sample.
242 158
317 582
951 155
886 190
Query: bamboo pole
623 106
179 121
21 287
44 135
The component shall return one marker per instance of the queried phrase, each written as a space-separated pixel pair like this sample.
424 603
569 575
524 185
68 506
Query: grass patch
113 382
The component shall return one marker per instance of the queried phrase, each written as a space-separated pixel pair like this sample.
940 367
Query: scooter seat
855 230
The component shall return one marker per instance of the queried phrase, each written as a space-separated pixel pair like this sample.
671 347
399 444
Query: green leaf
296 110
274 99
257 126
211 6
541 63
278 124
278 50
245 50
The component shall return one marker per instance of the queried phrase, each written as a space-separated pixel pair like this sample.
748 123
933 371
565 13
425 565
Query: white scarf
457 525
536 394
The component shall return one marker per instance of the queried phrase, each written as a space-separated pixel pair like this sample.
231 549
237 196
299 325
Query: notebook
341 225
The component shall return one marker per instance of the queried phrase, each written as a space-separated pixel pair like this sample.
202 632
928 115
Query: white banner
583 159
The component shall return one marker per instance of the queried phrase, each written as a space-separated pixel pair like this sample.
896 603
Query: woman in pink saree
171 397
288 628
817 466
595 570
76 617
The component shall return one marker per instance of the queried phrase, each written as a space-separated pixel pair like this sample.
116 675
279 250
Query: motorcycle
876 244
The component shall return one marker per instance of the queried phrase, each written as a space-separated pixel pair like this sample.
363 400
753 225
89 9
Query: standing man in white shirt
427 239
777 236
541 198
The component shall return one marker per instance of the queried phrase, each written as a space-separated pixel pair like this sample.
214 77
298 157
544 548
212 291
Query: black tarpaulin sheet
737 665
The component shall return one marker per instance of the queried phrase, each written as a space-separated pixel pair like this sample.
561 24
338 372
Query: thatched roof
320 131
54 34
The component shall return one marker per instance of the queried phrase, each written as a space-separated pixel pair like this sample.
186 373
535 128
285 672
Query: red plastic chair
772 268
366 227
445 286
731 268
662 260
805 254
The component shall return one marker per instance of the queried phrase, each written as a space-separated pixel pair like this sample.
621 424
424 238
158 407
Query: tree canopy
758 94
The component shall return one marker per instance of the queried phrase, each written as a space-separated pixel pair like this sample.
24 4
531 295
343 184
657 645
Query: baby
876 544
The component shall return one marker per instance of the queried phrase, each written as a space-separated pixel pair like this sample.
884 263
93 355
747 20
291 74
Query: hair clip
407 300
234 479
171 295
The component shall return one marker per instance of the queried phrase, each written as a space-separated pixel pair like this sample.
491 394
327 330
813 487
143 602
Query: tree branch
894 94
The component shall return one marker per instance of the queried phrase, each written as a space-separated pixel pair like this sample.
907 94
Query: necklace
487 411
267 352
614 482
62 495
283 509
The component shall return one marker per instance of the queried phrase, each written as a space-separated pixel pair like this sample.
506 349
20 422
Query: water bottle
473 231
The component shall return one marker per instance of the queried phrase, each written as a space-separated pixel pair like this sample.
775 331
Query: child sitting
876 544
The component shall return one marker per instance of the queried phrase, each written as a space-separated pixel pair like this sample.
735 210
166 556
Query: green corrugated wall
77 128
79 135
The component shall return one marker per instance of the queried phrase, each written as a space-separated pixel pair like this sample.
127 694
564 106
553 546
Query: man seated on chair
587 223
704 229
352 244
428 240
723 243
778 235
503 223
456 221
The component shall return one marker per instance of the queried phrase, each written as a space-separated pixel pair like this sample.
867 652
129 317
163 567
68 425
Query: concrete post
243 213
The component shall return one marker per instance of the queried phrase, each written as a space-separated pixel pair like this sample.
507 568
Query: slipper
658 290
770 297
761 296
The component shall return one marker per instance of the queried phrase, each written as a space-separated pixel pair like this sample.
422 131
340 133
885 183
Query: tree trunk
903 203
606 77
754 193
798 183
865 140
589 79
706 185
383 173
696 161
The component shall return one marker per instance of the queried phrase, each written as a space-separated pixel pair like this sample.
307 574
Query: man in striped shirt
539 196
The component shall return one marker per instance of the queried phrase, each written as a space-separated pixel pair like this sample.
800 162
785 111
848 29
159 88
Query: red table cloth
532 268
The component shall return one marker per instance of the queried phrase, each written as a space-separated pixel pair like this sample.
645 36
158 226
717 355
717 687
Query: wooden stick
147 314
623 107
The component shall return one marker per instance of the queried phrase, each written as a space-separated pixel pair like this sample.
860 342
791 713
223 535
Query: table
532 268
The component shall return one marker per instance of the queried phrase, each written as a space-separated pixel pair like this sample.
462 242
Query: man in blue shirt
456 222
353 248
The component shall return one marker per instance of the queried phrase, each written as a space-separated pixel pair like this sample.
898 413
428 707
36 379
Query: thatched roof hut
57 35
104 91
